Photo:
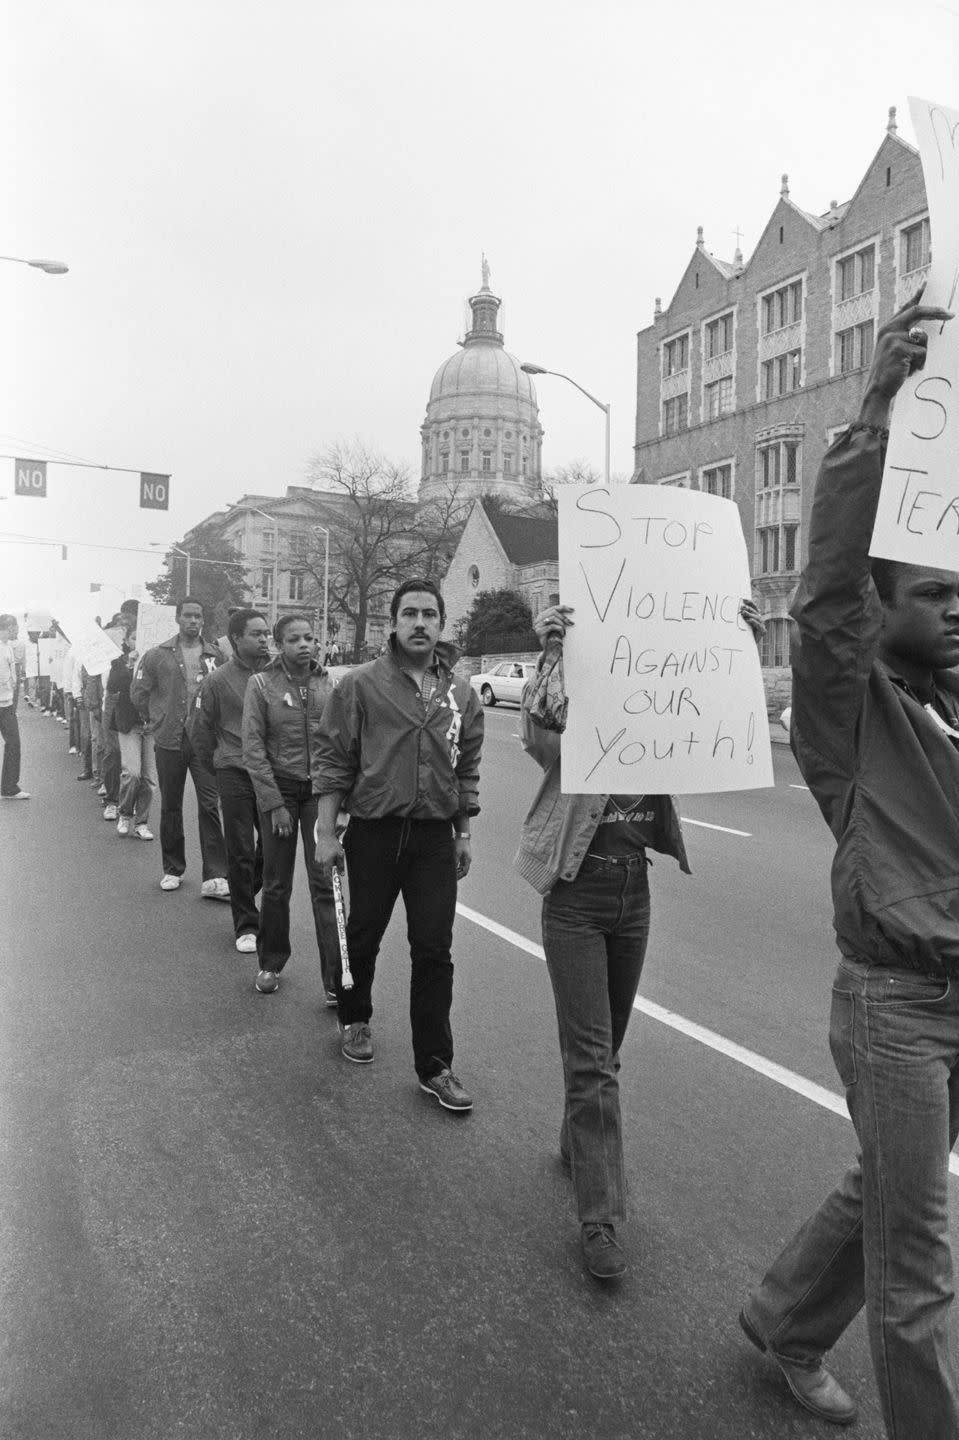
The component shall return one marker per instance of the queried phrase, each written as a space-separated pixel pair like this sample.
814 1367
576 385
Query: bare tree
577 472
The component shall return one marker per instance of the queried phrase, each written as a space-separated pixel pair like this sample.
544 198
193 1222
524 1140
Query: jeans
279 860
111 753
244 850
595 930
10 733
416 858
138 776
881 1238
172 767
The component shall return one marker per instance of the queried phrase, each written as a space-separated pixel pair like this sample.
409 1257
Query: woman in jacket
138 772
282 710
586 855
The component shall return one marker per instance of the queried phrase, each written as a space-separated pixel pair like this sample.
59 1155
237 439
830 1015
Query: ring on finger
917 335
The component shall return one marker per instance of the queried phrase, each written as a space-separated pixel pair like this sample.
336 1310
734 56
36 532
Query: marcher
400 752
875 729
138 772
282 712
217 735
164 688
10 788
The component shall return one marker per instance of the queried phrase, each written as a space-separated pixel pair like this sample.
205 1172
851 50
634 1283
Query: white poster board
155 623
92 647
52 651
663 675
918 515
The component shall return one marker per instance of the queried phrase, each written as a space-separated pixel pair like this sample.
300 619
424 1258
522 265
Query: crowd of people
380 775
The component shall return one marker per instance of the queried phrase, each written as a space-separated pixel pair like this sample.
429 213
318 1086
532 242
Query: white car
503 682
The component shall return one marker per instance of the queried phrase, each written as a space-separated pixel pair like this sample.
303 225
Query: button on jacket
280 733
389 753
159 690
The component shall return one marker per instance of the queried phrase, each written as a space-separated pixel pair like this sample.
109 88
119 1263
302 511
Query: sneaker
124 825
331 999
246 944
101 790
85 775
357 1043
110 812
602 1253
17 795
216 889
143 832
448 1091
266 982
73 750
169 882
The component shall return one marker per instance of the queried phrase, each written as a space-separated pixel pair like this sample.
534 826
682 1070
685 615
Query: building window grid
782 307
854 347
719 397
781 375
774 646
915 251
266 584
676 414
676 355
856 273
718 336
296 587
717 480
777 541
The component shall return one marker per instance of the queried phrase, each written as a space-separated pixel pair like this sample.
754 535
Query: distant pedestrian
400 752
138 772
217 733
10 788
164 689
282 711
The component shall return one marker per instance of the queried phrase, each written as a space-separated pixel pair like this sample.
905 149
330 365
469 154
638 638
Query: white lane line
705 825
798 1084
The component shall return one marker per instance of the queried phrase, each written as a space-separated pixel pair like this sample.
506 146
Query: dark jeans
110 740
172 767
417 858
10 733
882 1236
279 861
244 851
595 930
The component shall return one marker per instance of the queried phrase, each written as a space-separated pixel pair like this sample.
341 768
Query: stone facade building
754 367
499 551
482 435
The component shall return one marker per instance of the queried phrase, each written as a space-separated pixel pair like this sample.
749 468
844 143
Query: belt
617 859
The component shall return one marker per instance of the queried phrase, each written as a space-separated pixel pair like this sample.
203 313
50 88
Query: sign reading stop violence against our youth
662 673
918 515
155 623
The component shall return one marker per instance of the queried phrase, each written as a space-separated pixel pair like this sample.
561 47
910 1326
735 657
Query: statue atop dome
485 273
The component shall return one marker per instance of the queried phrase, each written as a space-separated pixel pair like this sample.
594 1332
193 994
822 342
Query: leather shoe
602 1252
819 1392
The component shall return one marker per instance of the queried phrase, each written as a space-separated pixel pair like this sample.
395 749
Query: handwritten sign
91 647
918 515
663 675
155 623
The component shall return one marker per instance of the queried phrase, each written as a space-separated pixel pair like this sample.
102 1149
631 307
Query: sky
273 215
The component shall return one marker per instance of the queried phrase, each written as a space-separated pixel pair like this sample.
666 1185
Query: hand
753 619
464 857
282 822
329 852
901 348
555 620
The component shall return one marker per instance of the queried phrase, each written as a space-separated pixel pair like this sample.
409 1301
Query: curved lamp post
541 370
49 267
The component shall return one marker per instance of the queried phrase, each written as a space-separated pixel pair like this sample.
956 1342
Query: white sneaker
246 944
72 750
18 795
170 882
110 812
123 825
143 832
215 889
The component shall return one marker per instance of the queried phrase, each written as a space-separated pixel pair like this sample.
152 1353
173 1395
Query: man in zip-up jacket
875 728
216 730
164 688
400 751
282 713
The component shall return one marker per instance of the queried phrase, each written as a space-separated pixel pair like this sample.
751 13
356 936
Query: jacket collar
276 665
207 648
445 654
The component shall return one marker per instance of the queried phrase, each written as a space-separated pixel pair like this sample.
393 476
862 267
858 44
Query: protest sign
918 515
92 647
51 652
155 623
663 676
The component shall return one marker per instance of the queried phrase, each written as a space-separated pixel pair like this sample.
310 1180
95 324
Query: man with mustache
400 750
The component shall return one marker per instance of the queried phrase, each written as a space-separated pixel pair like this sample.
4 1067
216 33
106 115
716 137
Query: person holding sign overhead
586 855
875 728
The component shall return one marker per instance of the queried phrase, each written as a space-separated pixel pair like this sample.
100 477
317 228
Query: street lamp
49 267
241 505
541 370
158 544
326 584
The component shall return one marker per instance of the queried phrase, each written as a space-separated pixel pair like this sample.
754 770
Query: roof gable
525 539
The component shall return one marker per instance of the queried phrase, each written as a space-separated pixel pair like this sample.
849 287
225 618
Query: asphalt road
212 1226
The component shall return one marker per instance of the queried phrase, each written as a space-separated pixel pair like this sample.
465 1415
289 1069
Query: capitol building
482 435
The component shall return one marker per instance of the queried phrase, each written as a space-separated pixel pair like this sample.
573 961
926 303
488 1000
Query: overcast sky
273 214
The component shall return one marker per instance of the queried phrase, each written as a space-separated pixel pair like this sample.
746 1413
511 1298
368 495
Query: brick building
754 367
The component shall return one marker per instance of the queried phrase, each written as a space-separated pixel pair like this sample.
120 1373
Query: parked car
503 682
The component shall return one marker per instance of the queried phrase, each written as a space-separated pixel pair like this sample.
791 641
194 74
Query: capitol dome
482 435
